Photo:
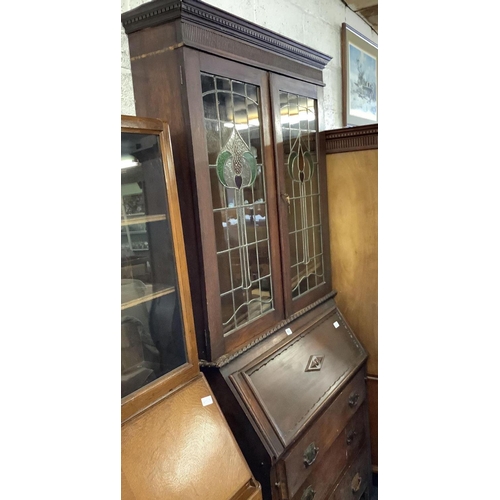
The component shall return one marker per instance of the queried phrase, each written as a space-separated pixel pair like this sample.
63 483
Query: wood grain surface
353 211
180 449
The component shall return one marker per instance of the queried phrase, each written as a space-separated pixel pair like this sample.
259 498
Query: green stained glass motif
232 119
236 166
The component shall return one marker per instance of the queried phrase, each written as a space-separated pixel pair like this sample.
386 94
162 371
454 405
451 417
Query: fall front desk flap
285 387
182 449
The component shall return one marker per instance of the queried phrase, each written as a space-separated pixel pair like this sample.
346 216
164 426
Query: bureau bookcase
245 109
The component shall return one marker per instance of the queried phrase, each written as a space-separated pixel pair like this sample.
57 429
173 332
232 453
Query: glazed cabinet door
302 191
236 190
157 333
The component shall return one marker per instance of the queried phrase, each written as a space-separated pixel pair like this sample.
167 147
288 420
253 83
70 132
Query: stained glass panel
234 143
299 128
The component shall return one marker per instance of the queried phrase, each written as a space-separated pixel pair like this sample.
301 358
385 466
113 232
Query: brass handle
353 400
308 494
286 198
350 437
356 482
310 454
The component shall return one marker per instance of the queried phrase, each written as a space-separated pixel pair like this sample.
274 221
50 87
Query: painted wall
316 23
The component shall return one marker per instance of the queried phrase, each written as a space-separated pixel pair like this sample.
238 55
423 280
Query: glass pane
234 142
151 325
299 127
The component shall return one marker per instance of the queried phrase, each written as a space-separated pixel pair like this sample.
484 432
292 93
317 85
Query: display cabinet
245 106
173 430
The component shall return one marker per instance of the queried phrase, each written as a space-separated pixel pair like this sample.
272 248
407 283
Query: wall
315 23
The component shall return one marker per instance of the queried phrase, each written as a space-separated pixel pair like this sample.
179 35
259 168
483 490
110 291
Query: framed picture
359 78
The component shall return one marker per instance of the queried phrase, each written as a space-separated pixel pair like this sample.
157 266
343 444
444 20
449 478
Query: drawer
318 484
356 480
306 454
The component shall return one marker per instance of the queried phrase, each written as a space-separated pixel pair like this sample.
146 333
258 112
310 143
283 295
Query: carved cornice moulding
359 138
193 11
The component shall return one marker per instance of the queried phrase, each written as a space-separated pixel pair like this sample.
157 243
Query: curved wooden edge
351 139
251 491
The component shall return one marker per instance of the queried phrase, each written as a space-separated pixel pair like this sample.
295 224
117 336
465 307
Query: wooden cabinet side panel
353 211
353 217
158 73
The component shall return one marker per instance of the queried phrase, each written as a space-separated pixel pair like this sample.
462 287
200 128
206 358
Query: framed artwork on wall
359 78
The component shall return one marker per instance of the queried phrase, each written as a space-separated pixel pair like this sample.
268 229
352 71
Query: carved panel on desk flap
314 364
288 393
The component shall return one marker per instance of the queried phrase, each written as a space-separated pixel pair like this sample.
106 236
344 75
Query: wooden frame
156 390
359 78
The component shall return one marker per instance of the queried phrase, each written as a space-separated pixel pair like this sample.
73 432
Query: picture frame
359 78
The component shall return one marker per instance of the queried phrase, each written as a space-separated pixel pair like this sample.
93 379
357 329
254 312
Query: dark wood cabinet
245 109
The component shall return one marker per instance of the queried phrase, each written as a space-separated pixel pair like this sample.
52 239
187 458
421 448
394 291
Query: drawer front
356 480
306 454
318 484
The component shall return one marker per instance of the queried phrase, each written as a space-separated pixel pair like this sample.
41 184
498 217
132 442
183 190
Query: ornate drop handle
350 437
310 454
356 482
308 494
353 400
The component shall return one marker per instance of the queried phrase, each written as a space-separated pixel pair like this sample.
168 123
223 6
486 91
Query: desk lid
285 387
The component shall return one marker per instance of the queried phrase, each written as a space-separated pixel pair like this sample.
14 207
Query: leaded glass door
302 181
237 200
158 346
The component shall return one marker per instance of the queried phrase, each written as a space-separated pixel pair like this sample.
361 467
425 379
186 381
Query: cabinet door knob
353 400
308 494
310 454
356 482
